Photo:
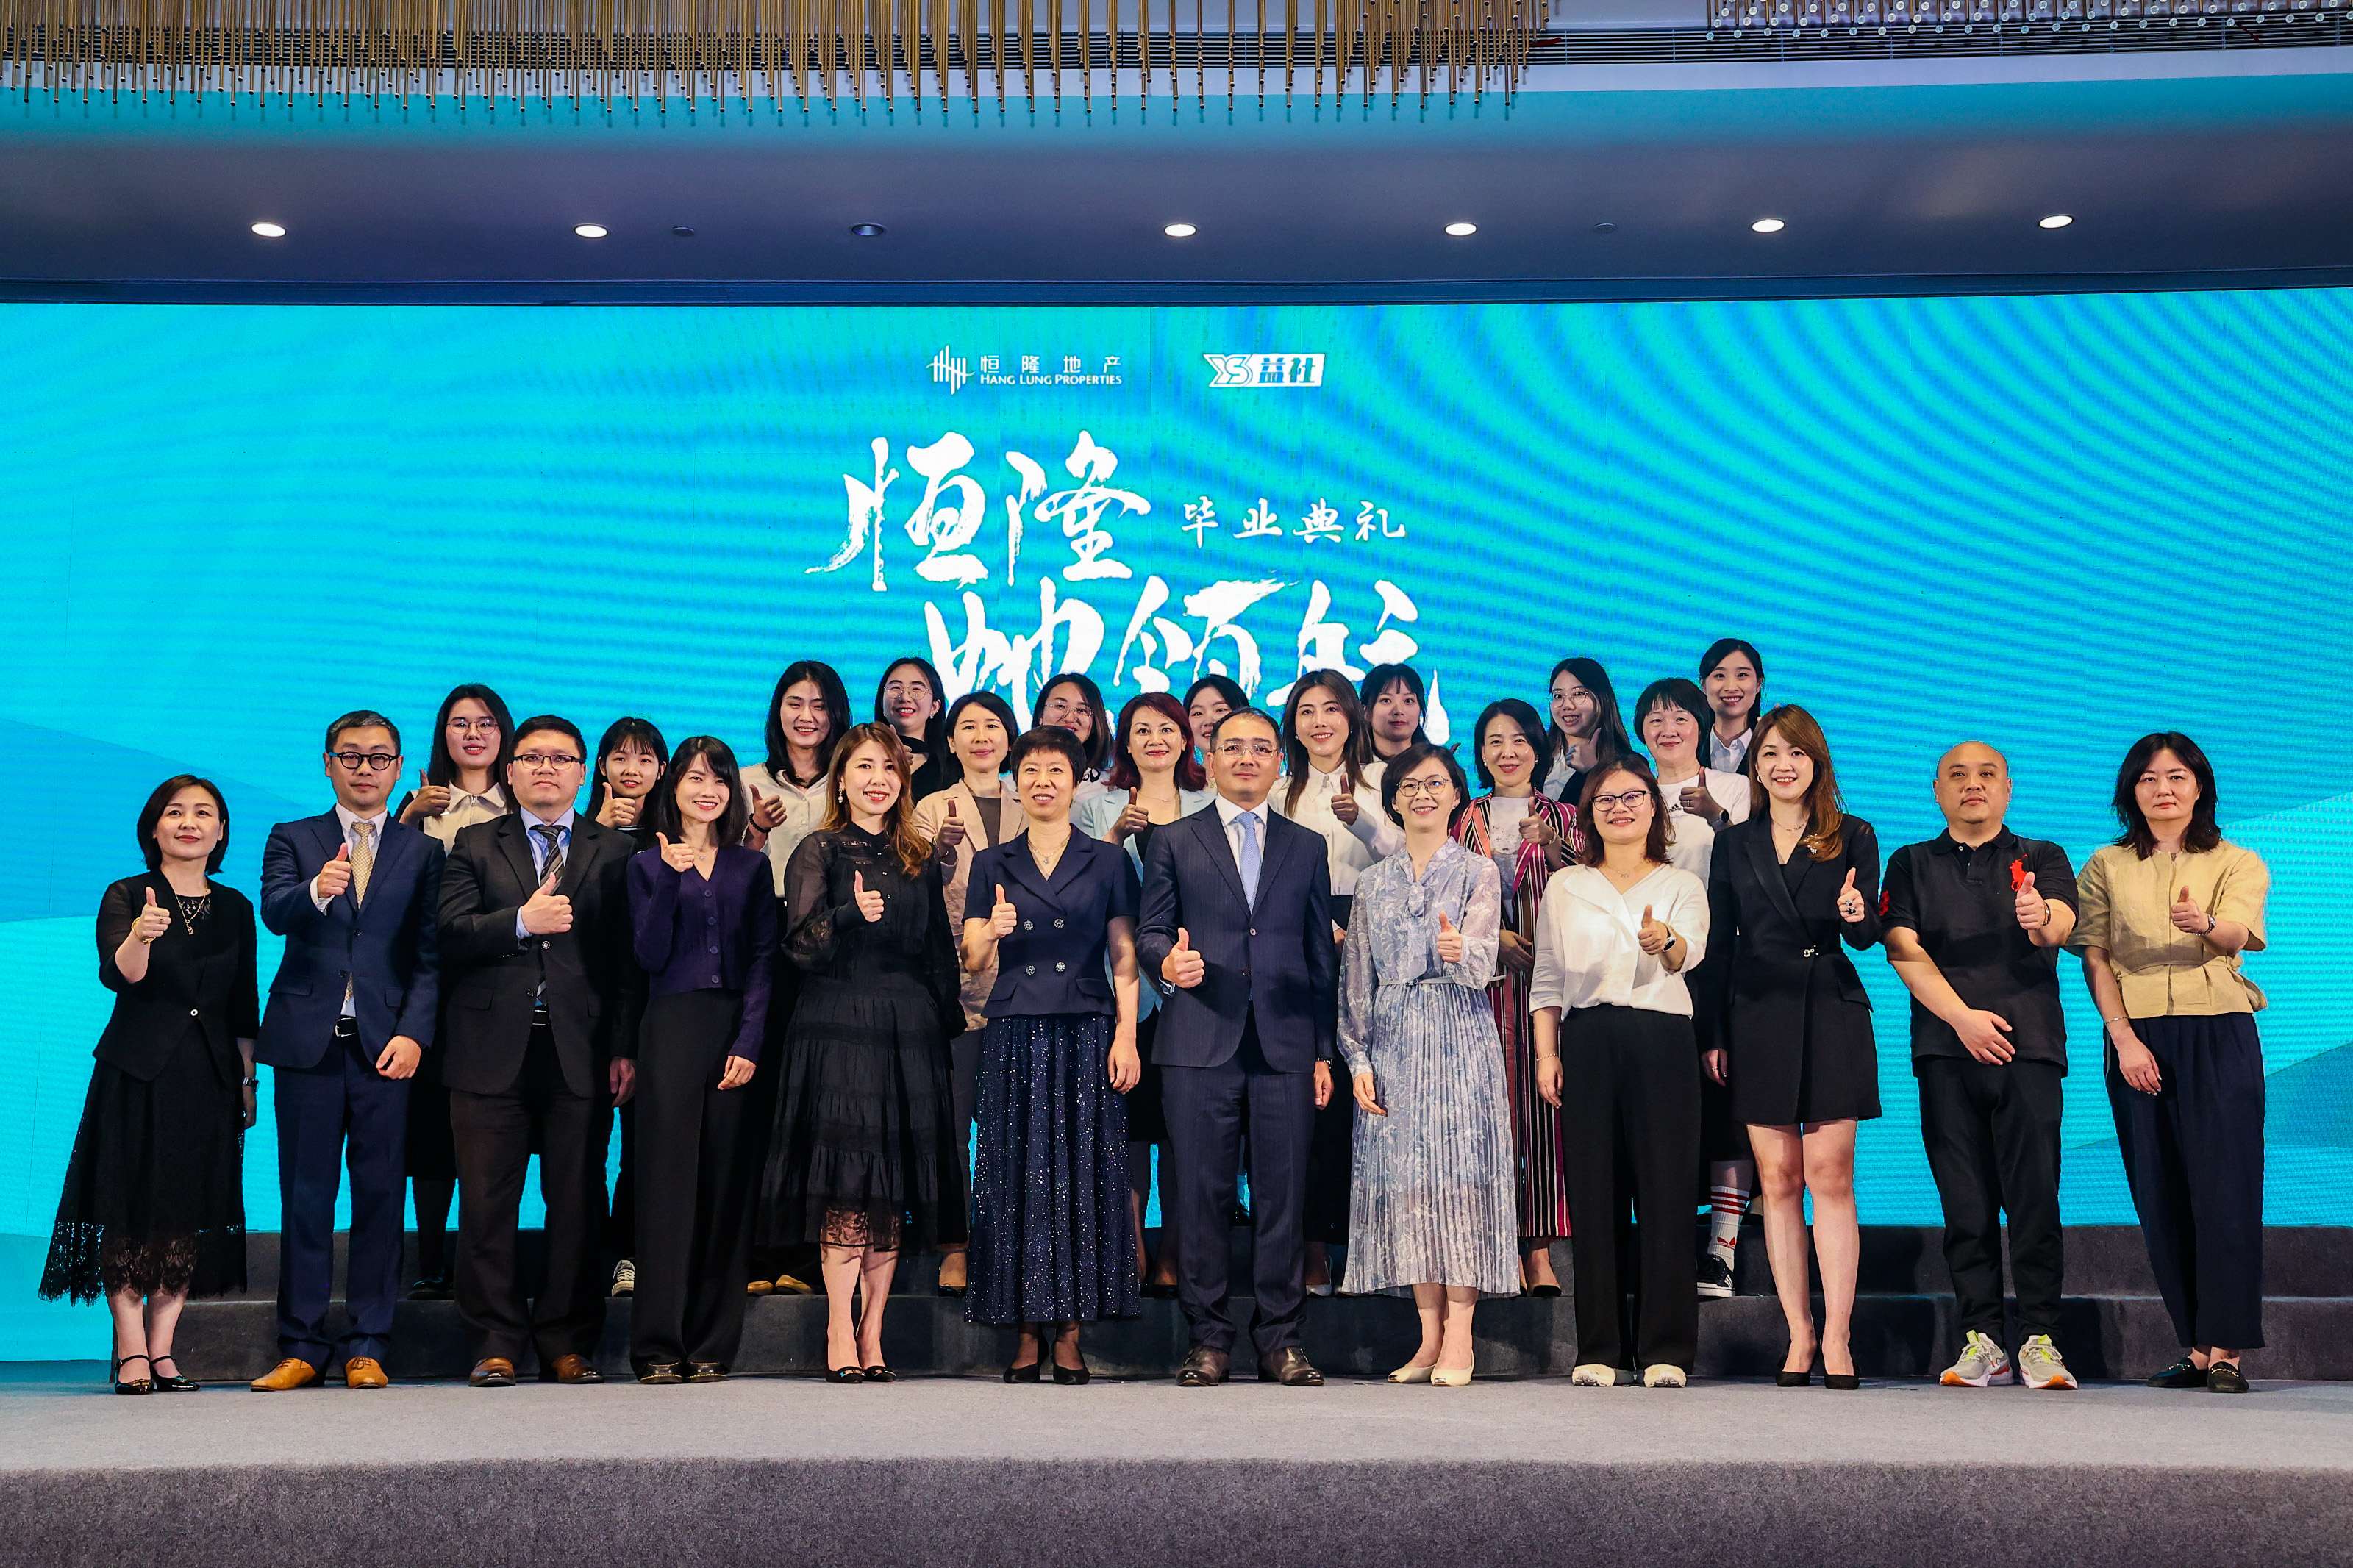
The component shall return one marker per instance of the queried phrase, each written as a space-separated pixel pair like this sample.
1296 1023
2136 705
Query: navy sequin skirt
1051 1237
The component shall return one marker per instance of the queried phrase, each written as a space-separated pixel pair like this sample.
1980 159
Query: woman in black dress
909 700
154 1207
1054 908
1792 1032
864 1159
629 762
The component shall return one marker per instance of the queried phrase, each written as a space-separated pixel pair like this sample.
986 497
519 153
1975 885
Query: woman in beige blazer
977 812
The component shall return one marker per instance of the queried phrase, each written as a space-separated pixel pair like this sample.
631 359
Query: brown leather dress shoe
365 1371
1203 1368
1290 1367
492 1371
575 1368
292 1373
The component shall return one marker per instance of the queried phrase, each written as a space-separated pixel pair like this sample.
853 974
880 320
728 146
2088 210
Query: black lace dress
154 1194
865 1152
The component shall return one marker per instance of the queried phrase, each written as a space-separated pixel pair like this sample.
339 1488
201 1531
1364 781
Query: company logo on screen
1266 370
950 369
953 370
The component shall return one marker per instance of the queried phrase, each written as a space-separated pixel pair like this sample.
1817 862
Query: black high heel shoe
845 1374
878 1372
1026 1374
174 1384
1842 1380
1794 1379
137 1385
1070 1376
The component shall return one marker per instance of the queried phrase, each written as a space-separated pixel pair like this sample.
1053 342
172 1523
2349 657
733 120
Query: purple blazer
720 934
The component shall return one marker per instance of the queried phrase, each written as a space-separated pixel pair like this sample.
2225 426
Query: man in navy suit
1237 928
356 895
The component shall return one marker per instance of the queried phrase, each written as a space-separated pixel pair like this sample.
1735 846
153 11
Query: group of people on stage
934 982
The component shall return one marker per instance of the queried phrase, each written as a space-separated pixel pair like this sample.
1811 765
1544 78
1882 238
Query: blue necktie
1248 857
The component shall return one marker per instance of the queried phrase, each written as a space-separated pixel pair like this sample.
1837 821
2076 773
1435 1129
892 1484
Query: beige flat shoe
1410 1373
1662 1375
1449 1376
1593 1374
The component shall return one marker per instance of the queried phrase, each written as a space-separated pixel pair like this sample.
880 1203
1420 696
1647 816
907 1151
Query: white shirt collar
1228 811
530 819
345 817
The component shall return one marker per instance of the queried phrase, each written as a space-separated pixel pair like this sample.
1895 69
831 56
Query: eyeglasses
1613 802
1260 749
1423 786
548 760
375 762
468 726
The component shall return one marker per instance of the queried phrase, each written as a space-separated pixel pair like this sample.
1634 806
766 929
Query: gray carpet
955 1470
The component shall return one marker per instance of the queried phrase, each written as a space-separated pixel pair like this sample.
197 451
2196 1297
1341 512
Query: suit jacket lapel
515 840
1276 851
1212 831
1760 853
1022 866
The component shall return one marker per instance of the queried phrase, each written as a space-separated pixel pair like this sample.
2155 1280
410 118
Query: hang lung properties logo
1266 370
951 370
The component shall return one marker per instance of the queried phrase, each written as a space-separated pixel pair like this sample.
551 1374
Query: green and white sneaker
1982 1363
2039 1365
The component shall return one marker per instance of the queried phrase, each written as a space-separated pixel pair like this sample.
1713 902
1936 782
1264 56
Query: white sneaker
625 1278
2039 1365
1662 1375
1593 1374
1982 1362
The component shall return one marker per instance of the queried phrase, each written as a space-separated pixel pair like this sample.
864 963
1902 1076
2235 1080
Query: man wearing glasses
1237 933
536 941
350 1013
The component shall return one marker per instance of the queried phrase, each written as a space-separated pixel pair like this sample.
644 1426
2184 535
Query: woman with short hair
911 699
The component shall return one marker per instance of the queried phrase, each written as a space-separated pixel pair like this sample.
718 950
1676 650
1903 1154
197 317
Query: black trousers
1629 1115
495 1134
1992 1133
1207 1109
693 1195
2194 1156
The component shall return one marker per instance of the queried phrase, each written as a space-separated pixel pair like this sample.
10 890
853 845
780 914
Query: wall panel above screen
2054 523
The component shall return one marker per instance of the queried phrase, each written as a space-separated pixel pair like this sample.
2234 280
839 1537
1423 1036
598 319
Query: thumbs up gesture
1449 941
2033 911
1184 968
869 904
2187 916
1655 935
677 857
951 834
547 911
1344 803
1851 907
767 811
152 922
1133 820
335 875
1002 915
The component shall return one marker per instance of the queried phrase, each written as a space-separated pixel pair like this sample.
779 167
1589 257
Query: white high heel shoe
1662 1374
1410 1373
1449 1376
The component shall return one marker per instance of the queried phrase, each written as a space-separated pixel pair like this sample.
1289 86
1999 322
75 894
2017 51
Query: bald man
1973 922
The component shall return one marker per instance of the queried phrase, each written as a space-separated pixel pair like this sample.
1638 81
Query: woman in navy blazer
1793 1023
702 916
1051 1237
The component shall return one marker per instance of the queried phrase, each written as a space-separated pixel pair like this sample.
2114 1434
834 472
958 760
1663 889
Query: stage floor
937 1470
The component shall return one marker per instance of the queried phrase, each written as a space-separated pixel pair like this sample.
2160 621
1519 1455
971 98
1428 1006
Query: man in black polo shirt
1973 922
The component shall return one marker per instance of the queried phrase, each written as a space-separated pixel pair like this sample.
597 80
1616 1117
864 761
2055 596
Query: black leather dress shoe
705 1372
2223 1377
432 1288
1203 1368
2183 1374
1291 1368
659 1372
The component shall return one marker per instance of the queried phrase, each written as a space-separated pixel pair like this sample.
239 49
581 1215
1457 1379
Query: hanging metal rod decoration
795 54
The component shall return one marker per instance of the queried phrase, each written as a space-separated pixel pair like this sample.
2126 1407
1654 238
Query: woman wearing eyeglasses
1431 1212
1615 1053
631 757
1587 728
1074 702
473 740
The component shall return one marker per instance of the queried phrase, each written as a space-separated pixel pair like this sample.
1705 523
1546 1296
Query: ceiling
2178 170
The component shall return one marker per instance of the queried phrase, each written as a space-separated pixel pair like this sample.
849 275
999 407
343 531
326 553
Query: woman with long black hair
629 761
1074 702
911 699
1587 728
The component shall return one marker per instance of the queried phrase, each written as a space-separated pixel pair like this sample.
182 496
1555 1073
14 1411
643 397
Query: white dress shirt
352 842
1589 947
1229 814
1728 755
803 812
531 820
463 811
1352 848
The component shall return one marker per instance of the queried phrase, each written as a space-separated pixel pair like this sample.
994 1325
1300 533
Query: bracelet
252 1083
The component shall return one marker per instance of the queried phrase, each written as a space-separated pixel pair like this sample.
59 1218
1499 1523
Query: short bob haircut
618 733
1096 747
440 767
663 816
1125 774
996 708
935 729
2203 832
1380 677
1048 738
828 681
364 719
1410 759
152 813
1826 809
1588 847
1674 691
1529 721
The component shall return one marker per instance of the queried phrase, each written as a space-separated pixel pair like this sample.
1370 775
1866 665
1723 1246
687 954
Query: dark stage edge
949 1470
2112 1326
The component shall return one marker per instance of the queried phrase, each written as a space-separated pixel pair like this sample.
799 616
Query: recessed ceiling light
589 230
1605 228
1768 225
866 230
2057 220
1459 229
682 232
270 230
1180 231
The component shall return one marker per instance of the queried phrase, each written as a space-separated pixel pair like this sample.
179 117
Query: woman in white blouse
1334 786
1616 1053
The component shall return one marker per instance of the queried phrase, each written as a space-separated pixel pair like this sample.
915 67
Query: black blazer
383 949
1275 959
1053 961
199 985
1763 942
487 976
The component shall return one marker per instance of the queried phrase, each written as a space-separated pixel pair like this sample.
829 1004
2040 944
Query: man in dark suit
356 895
536 947
1237 928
